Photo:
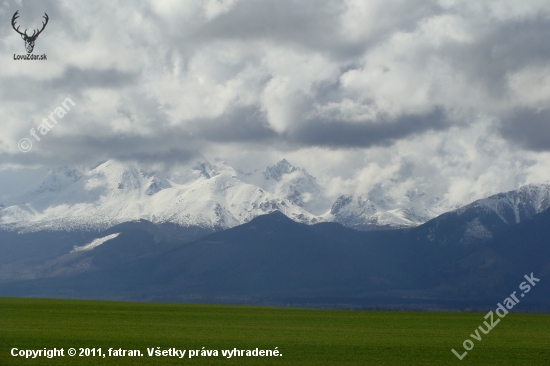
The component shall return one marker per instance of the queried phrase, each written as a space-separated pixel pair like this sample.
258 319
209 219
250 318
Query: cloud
352 89
384 131
528 128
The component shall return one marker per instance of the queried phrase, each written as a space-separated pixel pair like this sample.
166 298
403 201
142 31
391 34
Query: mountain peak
283 161
274 216
58 178
278 170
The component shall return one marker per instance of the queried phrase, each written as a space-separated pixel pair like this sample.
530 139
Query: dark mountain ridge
274 260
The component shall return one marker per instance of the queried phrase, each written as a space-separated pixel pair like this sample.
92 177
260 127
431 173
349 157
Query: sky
451 97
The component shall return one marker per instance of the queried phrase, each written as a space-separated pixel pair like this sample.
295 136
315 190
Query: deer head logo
29 40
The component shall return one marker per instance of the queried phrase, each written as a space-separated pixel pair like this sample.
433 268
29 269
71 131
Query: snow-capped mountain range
214 195
209 195
381 210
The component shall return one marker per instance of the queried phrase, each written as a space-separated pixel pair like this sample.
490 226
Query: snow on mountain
385 207
294 184
487 217
17 185
214 195
207 195
362 214
94 243
515 206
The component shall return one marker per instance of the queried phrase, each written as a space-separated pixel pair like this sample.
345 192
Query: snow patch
95 243
476 230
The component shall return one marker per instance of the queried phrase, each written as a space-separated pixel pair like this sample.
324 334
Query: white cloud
257 81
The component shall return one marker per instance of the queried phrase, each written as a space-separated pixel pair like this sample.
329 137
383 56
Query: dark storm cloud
382 132
245 124
72 82
75 79
313 25
167 146
528 128
500 50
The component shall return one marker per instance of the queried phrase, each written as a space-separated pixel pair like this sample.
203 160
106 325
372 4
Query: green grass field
304 337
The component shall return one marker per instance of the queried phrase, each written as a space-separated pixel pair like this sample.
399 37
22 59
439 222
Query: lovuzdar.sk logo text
29 40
